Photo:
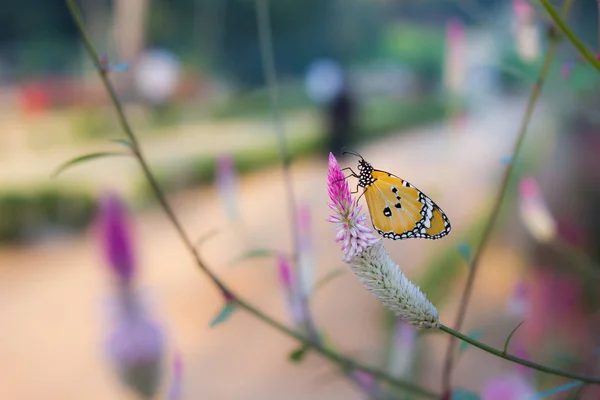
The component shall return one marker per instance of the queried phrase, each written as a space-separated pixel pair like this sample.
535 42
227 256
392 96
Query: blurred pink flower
135 347
455 63
365 380
566 68
518 303
527 40
510 386
227 184
534 212
294 304
403 349
306 261
522 9
115 237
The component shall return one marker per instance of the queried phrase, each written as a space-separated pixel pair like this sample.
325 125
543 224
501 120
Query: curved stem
521 361
474 265
559 21
228 294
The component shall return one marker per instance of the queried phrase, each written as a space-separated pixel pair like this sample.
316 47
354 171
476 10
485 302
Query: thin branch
474 265
265 40
521 361
326 352
560 22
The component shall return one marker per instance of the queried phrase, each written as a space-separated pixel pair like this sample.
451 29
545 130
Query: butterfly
398 209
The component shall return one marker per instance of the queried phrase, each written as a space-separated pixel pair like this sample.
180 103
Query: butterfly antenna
354 153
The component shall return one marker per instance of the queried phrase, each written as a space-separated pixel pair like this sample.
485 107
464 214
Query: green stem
474 265
560 22
343 361
326 352
521 361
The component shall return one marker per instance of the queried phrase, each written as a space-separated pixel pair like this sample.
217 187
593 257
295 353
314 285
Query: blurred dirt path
53 296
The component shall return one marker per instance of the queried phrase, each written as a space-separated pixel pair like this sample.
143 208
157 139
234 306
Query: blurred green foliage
25 215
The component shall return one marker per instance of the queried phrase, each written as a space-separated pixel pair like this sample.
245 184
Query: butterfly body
398 209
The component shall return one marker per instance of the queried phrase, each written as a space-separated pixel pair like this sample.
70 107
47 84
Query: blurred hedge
25 216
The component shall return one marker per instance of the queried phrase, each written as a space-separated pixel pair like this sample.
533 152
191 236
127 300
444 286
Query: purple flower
350 223
135 347
116 238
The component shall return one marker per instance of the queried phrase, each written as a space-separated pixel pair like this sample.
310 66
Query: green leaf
465 251
463 394
223 315
558 389
254 253
123 142
328 277
298 354
508 339
85 158
474 334
202 239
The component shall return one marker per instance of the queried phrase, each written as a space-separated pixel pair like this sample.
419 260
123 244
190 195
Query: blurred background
433 92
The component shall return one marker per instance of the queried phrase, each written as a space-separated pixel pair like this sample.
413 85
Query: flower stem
521 361
560 22
474 265
123 121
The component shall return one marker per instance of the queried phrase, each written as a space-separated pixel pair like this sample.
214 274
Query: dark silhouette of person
341 113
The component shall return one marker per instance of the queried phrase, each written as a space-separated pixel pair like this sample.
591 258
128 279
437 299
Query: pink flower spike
115 237
350 223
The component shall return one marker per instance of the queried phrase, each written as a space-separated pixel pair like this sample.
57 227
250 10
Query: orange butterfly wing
401 211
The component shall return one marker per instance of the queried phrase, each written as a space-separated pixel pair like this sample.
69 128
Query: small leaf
223 315
202 239
81 159
119 67
465 251
558 389
298 354
474 334
254 253
463 394
508 339
506 160
328 277
123 142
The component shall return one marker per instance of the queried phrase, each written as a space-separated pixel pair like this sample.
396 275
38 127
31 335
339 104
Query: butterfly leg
352 173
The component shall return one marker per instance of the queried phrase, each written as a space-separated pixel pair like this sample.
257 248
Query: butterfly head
365 173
